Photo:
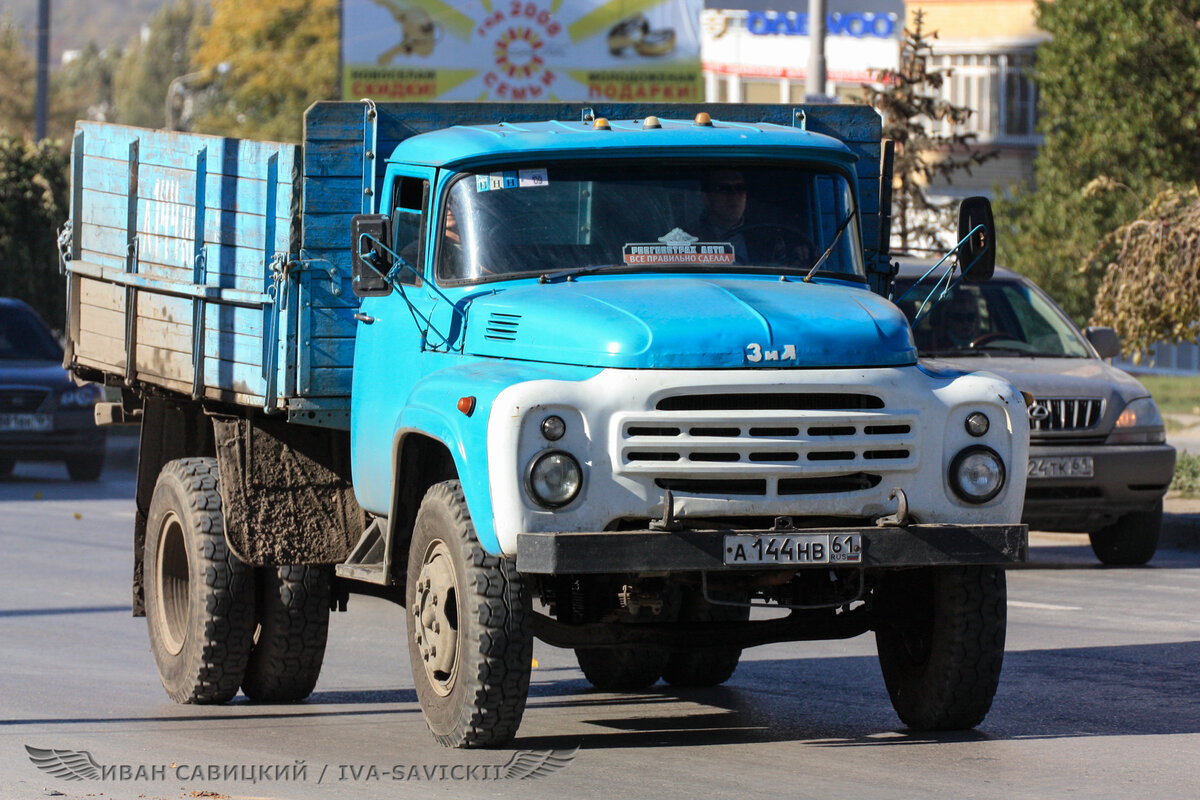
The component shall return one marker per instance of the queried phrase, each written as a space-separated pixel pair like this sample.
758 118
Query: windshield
24 337
695 215
1001 317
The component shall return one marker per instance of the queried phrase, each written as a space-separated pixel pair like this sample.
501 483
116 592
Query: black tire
712 666
940 640
86 468
1131 540
476 608
293 624
199 596
6 467
621 669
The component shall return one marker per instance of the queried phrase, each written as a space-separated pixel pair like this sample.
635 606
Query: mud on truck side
501 364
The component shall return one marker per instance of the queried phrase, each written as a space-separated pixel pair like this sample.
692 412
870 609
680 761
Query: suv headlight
554 479
1139 423
83 396
977 474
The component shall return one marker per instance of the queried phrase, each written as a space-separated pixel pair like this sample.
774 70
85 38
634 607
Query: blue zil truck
611 377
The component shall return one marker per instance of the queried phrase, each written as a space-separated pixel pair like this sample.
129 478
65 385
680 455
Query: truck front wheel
940 639
289 643
199 596
470 627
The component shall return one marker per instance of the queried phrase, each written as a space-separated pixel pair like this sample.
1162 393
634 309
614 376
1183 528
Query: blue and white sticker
534 177
511 179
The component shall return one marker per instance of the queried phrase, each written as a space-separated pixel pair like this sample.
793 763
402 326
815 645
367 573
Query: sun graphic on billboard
518 50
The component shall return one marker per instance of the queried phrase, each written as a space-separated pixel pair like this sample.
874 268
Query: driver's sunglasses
730 188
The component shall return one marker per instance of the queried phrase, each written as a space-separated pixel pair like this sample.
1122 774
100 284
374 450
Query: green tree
910 106
1119 103
81 89
33 205
17 87
149 65
277 58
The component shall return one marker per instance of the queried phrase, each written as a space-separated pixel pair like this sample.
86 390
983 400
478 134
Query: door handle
364 318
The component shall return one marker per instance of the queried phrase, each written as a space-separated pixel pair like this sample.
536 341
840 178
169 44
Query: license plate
26 422
1060 467
793 548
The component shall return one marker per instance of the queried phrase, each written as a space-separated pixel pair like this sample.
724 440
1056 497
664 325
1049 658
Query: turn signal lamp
466 405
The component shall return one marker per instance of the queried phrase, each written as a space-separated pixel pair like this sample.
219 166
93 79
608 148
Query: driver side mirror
370 260
977 256
1105 340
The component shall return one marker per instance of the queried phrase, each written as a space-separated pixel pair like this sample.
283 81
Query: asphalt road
1099 696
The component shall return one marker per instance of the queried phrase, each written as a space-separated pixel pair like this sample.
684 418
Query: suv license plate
1060 467
26 422
793 548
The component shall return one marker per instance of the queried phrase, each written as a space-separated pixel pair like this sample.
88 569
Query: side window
410 202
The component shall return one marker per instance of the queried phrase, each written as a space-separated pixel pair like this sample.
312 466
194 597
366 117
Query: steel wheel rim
174 595
435 617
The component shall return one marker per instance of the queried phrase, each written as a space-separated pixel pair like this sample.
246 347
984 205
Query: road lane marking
1042 606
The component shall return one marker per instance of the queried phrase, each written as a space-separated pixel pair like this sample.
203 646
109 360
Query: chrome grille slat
1053 414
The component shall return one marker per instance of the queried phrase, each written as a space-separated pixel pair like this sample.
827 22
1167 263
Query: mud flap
286 492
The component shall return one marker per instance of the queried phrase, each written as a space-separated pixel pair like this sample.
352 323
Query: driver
723 192
960 322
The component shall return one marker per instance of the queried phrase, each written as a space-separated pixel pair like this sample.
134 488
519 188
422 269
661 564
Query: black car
44 415
1098 458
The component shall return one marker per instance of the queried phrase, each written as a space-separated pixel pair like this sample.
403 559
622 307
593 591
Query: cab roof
507 140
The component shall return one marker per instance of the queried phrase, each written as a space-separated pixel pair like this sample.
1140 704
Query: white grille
767 451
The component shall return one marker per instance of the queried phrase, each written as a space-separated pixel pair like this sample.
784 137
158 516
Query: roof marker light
651 122
703 120
601 123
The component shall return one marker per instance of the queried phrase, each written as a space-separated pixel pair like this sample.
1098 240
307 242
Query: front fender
432 409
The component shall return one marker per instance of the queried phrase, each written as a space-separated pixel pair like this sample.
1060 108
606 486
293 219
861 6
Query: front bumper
702 550
1125 478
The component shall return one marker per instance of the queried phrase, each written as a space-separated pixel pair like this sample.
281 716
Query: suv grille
1064 414
19 401
767 444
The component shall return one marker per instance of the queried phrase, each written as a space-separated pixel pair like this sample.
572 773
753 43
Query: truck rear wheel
289 643
199 596
710 666
621 669
1131 540
470 627
941 643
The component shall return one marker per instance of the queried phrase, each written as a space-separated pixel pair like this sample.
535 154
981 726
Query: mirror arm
922 312
399 265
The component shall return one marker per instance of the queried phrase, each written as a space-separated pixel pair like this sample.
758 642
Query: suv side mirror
1105 340
978 253
370 261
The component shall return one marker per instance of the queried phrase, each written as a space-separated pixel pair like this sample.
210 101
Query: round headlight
977 474
553 428
977 423
554 479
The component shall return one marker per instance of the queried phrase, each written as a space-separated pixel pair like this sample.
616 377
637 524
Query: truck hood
689 323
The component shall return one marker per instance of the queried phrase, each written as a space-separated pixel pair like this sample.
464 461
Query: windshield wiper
571 274
837 237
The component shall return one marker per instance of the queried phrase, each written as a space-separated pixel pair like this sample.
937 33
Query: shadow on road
1143 690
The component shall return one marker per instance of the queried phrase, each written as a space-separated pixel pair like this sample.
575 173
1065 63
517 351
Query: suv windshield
1001 317
24 337
696 215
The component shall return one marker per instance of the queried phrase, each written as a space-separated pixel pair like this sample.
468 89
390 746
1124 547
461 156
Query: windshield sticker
512 179
678 247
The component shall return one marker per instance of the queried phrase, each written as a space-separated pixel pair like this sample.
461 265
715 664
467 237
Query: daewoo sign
857 24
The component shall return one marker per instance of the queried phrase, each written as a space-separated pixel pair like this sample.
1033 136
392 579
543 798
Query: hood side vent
502 327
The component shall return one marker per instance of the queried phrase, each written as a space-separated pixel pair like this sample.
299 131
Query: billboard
521 50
